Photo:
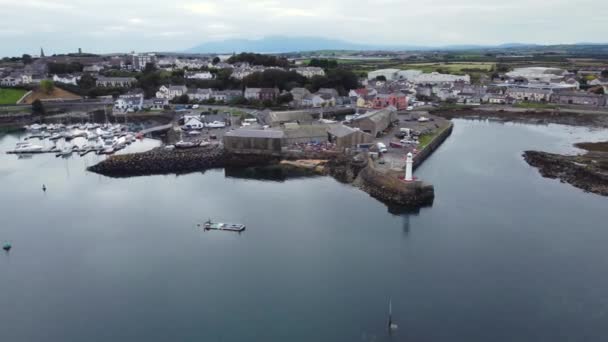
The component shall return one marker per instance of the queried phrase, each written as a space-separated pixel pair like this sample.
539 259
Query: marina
94 138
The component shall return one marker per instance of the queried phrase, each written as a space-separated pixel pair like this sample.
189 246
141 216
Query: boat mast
390 315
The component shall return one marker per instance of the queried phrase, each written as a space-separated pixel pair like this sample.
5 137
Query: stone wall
432 146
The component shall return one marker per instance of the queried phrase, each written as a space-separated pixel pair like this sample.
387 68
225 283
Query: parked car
381 147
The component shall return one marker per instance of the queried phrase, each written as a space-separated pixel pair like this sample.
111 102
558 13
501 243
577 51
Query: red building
396 100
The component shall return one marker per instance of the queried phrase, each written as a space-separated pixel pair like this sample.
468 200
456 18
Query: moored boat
233 227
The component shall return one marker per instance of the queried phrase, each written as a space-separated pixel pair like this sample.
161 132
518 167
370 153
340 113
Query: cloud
145 25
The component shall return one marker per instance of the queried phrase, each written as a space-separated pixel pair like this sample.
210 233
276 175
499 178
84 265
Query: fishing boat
232 227
65 152
187 144
7 246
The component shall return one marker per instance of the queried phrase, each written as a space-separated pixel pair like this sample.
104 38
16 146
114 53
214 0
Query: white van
381 147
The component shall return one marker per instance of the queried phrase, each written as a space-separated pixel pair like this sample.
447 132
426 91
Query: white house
199 75
129 102
10 81
309 72
193 123
156 104
200 94
171 92
66 79
312 100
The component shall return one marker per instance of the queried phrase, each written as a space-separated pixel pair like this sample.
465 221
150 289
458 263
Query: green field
10 96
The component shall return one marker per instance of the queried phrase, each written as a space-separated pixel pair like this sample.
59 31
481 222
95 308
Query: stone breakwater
165 161
588 172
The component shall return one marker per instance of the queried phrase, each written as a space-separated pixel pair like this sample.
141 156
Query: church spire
41 52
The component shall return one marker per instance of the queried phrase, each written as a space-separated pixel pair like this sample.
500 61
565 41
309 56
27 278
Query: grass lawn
456 68
426 139
10 96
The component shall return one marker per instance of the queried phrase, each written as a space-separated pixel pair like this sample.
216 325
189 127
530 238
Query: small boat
56 136
65 152
7 246
187 144
232 227
391 326
28 148
194 132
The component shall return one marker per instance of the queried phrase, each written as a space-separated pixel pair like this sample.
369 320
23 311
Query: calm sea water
502 255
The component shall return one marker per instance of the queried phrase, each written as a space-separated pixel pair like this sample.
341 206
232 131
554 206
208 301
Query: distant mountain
283 44
276 44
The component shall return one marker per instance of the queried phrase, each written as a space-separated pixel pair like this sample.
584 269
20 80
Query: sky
105 26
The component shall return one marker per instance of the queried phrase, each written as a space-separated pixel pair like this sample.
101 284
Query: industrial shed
295 134
252 141
346 137
375 122
274 119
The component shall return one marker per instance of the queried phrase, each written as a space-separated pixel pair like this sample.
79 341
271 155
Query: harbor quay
375 151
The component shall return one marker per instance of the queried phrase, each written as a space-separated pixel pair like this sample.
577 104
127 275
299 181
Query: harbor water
502 255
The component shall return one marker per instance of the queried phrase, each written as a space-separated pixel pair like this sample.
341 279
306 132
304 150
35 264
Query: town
273 106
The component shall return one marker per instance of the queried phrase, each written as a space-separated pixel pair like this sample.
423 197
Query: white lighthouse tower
409 162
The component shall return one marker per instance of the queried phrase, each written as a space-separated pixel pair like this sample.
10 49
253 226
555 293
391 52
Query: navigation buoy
7 247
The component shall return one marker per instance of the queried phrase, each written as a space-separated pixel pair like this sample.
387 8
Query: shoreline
588 171
542 117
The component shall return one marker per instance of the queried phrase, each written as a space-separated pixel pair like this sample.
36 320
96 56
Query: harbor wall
428 150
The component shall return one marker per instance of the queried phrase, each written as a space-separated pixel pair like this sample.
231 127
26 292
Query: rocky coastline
588 172
357 170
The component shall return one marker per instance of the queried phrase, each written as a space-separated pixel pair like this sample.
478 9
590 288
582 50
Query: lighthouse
409 162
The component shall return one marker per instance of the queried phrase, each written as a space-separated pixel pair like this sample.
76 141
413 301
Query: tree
267 103
604 73
215 60
149 68
86 82
285 98
38 107
47 86
381 78
26 59
184 99
597 90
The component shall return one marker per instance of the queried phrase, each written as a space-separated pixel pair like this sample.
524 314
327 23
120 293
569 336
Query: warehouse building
254 141
375 122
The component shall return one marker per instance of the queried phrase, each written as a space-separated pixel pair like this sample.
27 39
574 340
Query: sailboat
391 326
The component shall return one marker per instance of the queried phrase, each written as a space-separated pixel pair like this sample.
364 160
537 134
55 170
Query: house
579 98
172 91
312 101
190 63
328 99
199 75
329 91
254 141
66 79
309 72
193 123
397 100
496 98
299 94
376 121
530 94
115 82
10 81
240 73
92 69
261 93
127 102
156 103
200 94
226 95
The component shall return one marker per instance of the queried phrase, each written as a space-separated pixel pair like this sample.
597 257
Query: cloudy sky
155 25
